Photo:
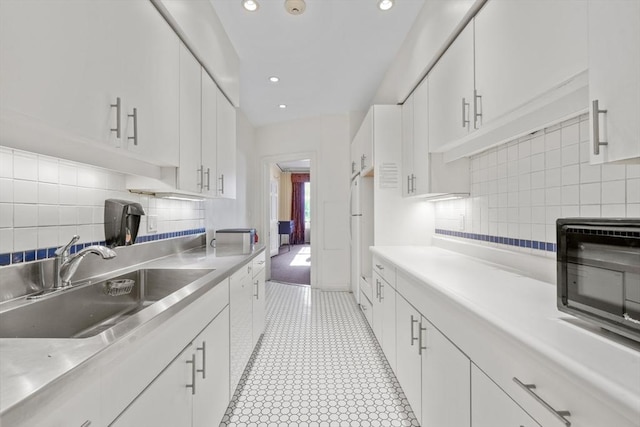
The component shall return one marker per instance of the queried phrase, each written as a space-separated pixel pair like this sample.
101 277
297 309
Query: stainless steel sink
88 310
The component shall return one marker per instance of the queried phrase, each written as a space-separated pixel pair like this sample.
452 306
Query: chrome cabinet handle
465 115
86 423
257 294
362 162
380 266
413 183
413 339
353 167
381 297
203 349
476 114
118 107
420 347
560 415
595 119
378 289
192 362
208 173
408 184
135 126
201 173
221 179
363 307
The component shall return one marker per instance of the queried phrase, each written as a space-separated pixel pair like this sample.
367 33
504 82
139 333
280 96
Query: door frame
265 196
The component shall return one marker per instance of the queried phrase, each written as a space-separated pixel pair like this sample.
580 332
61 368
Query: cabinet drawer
241 274
386 270
257 264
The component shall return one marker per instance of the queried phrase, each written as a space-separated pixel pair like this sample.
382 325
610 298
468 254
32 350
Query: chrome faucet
65 265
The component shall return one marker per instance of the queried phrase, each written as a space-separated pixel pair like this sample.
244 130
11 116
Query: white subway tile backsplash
25 239
6 215
614 211
25 191
48 170
25 166
633 190
48 194
85 215
25 215
590 193
68 174
538 179
48 215
68 215
85 196
6 240
65 233
6 190
68 195
613 192
6 163
47 237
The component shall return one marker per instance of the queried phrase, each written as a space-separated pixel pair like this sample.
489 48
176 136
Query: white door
388 297
274 237
614 67
378 310
212 375
209 134
446 381
407 146
166 401
259 301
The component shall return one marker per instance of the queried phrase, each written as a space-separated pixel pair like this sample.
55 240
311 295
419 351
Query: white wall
326 141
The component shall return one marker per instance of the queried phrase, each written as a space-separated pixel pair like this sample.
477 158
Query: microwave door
596 287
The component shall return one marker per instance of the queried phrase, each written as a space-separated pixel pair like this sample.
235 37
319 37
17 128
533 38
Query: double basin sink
89 309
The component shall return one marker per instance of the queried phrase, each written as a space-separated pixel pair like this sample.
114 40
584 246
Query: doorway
290 221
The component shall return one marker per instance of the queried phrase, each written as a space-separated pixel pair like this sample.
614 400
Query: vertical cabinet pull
408 184
465 113
200 183
595 121
118 107
221 179
413 183
135 126
420 346
560 415
257 294
413 321
476 115
378 289
192 362
203 349
362 162
353 167
381 295
208 173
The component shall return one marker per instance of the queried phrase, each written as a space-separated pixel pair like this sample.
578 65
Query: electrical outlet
152 223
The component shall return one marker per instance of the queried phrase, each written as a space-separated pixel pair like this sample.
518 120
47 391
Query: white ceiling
295 165
330 60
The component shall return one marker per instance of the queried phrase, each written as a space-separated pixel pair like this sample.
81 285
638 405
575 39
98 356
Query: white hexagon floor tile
318 364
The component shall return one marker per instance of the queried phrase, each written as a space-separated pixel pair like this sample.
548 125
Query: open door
273 218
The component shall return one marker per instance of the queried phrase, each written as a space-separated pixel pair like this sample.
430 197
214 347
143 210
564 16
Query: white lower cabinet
492 407
446 385
409 360
192 390
258 312
241 291
384 317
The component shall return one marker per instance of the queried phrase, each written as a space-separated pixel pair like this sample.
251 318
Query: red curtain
297 206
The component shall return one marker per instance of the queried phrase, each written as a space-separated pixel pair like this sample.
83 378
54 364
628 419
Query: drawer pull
192 362
560 415
380 266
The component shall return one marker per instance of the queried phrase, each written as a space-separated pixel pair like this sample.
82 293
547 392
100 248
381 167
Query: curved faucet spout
68 267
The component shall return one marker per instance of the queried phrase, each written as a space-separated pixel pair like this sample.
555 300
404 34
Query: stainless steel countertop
30 365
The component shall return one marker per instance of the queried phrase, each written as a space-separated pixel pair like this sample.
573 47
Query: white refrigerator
361 227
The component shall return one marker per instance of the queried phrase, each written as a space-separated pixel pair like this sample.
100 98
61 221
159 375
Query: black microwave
599 272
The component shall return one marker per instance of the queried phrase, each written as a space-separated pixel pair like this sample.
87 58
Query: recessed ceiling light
274 79
250 5
282 106
385 4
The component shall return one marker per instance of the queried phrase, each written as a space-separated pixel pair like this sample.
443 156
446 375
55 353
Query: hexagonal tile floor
317 364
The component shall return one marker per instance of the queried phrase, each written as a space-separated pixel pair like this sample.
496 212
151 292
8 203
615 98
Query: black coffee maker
121 222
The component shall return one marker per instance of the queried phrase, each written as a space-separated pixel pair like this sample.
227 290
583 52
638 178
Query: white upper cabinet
525 48
451 93
364 141
407 146
190 172
226 146
209 143
64 65
614 67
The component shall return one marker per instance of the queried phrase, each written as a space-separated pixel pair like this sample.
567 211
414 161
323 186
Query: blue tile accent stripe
44 253
522 243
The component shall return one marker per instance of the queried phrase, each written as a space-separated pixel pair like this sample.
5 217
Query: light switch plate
152 223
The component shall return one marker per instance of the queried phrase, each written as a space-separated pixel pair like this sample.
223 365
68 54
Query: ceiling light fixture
295 7
282 106
274 79
385 4
250 5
